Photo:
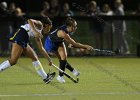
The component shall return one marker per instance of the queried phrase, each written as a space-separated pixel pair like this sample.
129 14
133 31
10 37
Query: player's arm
71 41
42 50
34 28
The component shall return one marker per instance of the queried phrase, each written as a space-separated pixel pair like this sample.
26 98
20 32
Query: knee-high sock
39 69
68 66
4 65
62 66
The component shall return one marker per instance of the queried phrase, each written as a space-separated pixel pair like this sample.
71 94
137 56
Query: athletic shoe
60 79
50 76
75 72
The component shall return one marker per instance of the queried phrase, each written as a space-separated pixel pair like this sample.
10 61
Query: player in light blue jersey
20 44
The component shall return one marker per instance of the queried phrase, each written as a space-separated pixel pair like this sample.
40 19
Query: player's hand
70 46
50 63
90 48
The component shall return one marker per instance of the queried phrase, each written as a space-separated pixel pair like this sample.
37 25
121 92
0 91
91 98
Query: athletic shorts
20 37
50 46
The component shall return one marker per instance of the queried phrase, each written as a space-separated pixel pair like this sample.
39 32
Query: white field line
71 94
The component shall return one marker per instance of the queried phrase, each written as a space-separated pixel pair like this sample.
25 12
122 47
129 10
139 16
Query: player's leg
37 65
62 56
15 54
68 66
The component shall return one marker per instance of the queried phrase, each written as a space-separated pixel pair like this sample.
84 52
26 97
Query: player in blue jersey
54 44
20 44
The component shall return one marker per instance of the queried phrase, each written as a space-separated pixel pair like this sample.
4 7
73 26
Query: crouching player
54 44
33 29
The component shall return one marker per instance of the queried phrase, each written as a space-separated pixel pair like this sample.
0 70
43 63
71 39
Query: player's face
74 26
47 28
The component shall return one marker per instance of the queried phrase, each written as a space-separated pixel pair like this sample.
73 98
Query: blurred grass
101 78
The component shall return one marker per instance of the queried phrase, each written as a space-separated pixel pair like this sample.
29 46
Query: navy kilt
20 37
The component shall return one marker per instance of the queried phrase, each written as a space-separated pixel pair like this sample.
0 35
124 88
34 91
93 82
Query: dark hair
69 21
46 20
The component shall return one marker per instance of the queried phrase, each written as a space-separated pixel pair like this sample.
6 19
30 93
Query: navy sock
68 66
62 66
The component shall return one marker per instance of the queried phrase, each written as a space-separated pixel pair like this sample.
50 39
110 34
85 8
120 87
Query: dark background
33 7
36 5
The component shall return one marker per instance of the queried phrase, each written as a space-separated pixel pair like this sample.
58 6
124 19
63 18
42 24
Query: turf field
100 79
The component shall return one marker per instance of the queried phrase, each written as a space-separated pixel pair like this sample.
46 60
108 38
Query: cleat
50 76
75 72
60 79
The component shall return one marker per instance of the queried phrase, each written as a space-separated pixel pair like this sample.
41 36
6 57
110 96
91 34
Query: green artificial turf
100 79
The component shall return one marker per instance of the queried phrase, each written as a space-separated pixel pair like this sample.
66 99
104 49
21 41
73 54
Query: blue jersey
52 42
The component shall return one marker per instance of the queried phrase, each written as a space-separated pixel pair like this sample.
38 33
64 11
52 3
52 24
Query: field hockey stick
117 51
104 51
66 74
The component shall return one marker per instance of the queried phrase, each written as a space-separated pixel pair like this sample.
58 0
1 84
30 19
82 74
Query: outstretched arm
71 41
42 50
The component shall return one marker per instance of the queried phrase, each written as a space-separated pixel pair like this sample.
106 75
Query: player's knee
63 58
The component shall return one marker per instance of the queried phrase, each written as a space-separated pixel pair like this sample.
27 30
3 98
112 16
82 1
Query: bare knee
62 58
